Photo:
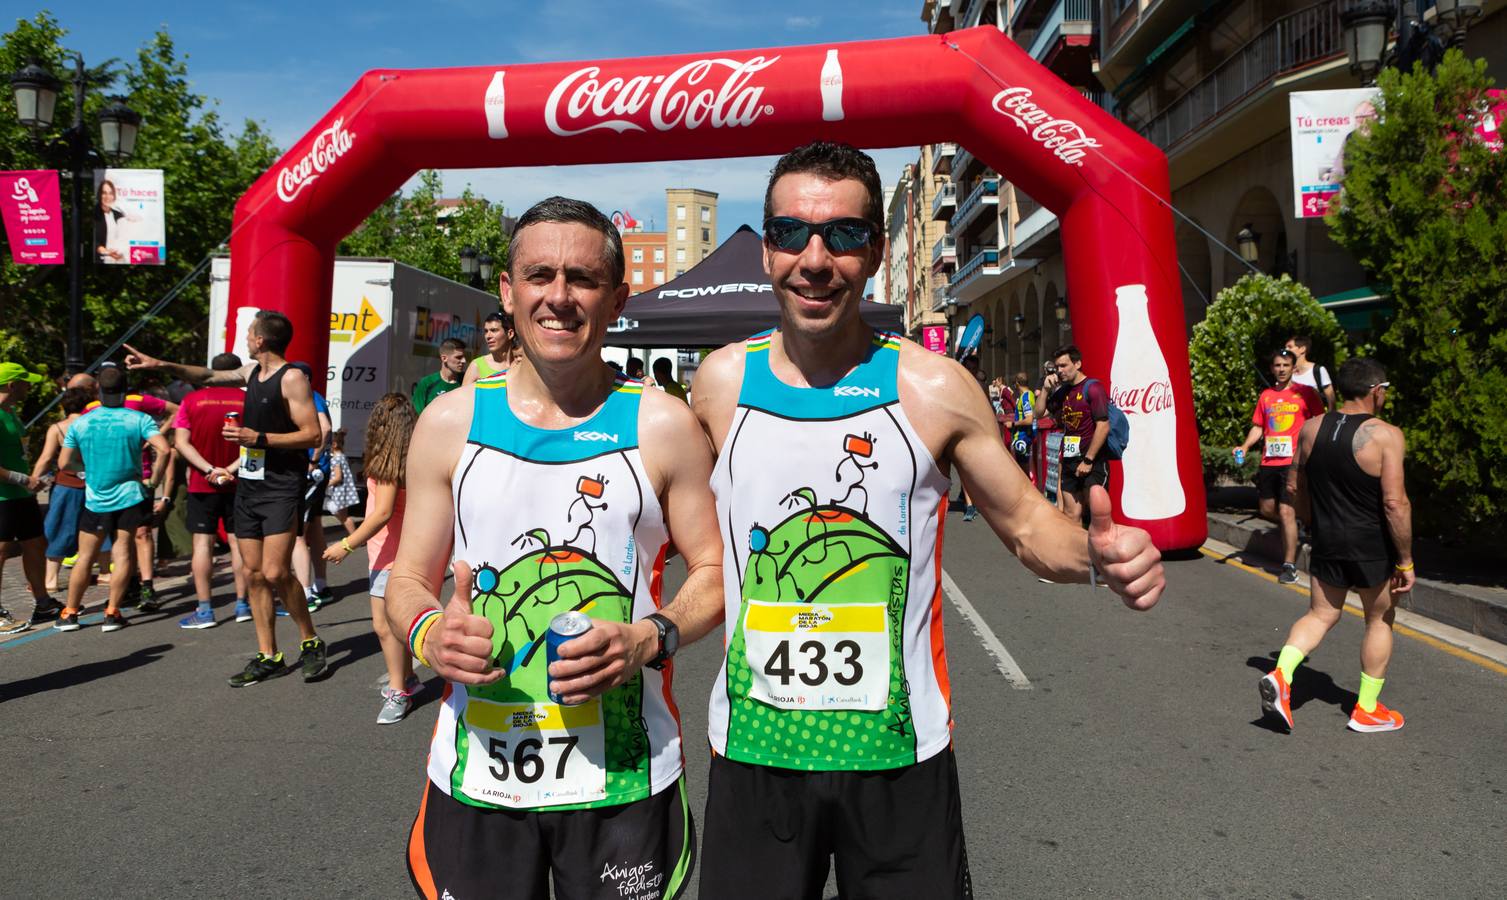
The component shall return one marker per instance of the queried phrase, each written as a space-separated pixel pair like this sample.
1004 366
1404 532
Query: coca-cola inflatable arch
1108 186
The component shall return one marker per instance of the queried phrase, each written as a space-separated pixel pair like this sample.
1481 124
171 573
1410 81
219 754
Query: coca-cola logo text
1143 400
1064 137
328 146
583 101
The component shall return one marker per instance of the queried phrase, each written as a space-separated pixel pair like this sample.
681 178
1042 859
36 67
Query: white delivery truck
386 324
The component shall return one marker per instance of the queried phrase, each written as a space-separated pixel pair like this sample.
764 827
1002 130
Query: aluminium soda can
562 628
1239 456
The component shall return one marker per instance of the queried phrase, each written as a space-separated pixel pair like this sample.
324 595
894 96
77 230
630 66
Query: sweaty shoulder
714 395
667 431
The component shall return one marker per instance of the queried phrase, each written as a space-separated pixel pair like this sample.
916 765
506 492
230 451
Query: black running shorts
109 523
898 833
1271 482
1349 573
20 519
1073 483
207 510
641 850
262 511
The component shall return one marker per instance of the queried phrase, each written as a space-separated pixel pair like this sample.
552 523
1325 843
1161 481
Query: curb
1479 610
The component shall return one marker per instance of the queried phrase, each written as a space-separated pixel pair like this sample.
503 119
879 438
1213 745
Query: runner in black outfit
278 427
1348 483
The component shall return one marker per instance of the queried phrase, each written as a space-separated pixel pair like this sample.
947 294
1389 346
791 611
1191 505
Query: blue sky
285 64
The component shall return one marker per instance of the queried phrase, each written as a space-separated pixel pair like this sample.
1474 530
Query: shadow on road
1308 684
83 673
349 650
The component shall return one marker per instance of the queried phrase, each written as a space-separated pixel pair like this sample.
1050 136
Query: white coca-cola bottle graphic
832 88
1142 388
496 105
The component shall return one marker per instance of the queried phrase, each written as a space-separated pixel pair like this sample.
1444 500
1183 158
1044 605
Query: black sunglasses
840 235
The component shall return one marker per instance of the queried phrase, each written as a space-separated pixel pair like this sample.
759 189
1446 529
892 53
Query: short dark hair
1071 351
275 329
1357 376
112 379
578 212
1282 352
972 358
225 362
452 344
1303 341
663 362
834 162
635 366
73 400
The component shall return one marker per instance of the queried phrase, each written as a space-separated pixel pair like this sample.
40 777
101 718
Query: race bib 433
816 656
527 755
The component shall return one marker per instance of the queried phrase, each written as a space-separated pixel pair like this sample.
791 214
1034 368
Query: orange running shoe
1379 719
1276 697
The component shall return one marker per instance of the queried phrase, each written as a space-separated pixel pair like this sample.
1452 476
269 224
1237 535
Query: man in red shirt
212 460
1280 413
1081 406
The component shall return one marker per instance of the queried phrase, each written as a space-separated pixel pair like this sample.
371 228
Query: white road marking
1003 661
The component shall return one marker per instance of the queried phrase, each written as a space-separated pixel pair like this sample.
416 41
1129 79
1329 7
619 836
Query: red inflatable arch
1108 186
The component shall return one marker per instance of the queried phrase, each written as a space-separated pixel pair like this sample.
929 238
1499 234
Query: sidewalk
1461 590
171 580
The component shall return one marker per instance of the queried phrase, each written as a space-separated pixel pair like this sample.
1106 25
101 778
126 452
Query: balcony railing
987 191
941 158
1301 39
961 161
979 260
945 247
947 194
1081 11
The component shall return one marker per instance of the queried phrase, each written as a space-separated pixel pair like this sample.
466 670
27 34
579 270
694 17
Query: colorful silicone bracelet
1406 568
416 632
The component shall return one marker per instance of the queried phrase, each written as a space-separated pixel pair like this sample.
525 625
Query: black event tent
725 298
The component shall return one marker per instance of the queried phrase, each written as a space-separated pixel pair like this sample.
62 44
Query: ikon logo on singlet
594 436
853 391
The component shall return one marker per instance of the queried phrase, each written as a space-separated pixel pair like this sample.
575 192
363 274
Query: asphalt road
1134 764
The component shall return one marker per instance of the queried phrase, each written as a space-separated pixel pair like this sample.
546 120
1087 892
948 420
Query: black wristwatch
669 641
261 439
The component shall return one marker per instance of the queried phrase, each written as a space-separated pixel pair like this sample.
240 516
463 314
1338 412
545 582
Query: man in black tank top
1347 482
277 429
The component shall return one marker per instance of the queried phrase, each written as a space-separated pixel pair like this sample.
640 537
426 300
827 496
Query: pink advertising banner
33 217
934 338
1493 120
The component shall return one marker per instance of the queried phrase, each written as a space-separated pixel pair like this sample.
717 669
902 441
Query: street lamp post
468 265
1365 34
1248 242
36 93
952 308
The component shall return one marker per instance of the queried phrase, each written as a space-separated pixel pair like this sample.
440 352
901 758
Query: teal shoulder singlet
552 521
831 512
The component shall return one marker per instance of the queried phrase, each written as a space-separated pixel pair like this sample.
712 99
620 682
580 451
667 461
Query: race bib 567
526 755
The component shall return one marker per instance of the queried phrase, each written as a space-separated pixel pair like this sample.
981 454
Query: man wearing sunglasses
835 447
1347 483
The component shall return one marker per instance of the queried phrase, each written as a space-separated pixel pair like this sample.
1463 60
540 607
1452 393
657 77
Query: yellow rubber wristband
1406 568
418 641
346 544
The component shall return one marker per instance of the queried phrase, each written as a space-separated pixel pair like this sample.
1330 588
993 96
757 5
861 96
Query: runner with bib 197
564 483
835 444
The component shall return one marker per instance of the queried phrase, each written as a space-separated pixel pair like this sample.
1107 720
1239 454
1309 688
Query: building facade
645 254
690 227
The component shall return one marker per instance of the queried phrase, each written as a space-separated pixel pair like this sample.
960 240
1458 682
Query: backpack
1119 430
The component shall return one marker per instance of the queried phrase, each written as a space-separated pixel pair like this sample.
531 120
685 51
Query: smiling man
565 483
830 718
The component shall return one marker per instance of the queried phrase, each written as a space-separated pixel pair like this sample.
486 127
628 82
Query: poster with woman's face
130 225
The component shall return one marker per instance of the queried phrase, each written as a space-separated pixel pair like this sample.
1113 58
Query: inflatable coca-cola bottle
1142 387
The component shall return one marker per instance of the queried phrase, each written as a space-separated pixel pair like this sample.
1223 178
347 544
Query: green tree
1424 211
1230 352
410 230
205 170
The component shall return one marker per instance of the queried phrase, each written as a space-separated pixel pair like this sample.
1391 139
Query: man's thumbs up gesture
1126 559
459 646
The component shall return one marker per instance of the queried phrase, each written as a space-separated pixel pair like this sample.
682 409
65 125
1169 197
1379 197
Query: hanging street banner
130 221
1321 122
33 217
934 338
